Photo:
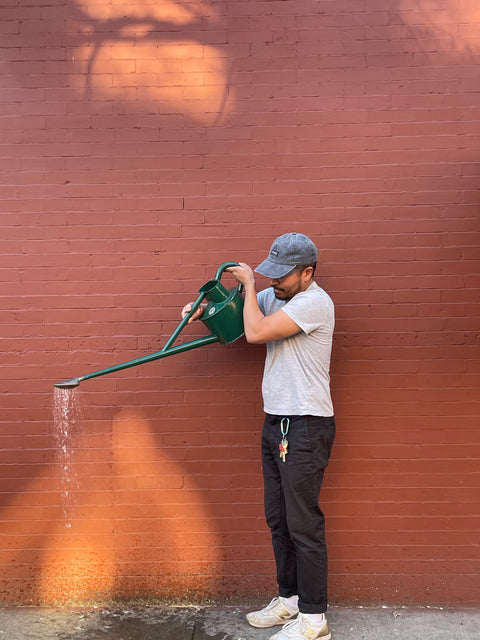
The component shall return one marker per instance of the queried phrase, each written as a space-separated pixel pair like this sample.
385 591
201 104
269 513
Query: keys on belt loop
283 446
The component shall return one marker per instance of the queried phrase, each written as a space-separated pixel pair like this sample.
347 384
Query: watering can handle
222 268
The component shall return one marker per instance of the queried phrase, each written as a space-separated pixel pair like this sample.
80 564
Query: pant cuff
307 607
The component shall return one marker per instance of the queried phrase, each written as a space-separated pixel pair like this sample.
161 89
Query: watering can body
223 315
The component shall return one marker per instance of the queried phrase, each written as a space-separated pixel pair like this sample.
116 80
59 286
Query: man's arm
258 327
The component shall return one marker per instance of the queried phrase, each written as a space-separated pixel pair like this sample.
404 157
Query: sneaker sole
269 626
326 635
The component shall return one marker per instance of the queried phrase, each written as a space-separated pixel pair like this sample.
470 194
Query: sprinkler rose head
68 384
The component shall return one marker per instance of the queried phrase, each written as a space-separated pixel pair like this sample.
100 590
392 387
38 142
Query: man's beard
280 294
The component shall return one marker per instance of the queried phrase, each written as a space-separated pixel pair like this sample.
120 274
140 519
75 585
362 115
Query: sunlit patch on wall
453 26
137 523
152 52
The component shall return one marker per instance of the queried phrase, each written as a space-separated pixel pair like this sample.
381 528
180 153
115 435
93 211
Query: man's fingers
186 310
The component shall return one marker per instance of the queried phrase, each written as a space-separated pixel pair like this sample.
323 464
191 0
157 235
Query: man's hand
243 274
186 310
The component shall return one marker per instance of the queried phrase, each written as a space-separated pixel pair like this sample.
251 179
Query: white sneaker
279 611
303 629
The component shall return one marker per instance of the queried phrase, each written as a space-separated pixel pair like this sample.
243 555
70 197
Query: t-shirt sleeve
261 301
308 312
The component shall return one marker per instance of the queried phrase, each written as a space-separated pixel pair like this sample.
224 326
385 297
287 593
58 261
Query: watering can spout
222 315
68 384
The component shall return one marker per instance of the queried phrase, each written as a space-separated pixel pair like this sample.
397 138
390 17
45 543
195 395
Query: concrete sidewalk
228 623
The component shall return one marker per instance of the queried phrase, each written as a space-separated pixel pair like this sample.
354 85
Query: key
283 447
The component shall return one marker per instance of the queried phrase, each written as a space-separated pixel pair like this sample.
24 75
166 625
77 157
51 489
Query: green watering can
223 317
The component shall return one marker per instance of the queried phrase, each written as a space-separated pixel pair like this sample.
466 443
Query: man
295 319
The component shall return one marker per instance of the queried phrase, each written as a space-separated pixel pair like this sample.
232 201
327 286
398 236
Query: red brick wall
142 145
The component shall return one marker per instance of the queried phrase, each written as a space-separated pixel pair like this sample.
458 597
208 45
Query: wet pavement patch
135 624
127 623
144 623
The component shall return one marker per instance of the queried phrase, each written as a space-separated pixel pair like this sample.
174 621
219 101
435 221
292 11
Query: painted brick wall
142 145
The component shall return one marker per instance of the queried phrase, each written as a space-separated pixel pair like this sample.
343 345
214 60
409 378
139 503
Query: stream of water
66 417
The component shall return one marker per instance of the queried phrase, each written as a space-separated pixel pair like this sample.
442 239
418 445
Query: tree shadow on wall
178 55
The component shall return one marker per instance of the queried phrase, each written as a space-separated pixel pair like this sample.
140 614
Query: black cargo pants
292 511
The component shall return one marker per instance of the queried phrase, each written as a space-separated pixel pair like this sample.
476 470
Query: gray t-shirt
296 377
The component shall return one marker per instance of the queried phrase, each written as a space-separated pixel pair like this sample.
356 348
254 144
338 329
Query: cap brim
273 269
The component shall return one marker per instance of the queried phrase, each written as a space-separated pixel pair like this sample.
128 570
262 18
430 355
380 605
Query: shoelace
272 603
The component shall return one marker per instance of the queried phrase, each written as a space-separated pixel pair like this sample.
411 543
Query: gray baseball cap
287 252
